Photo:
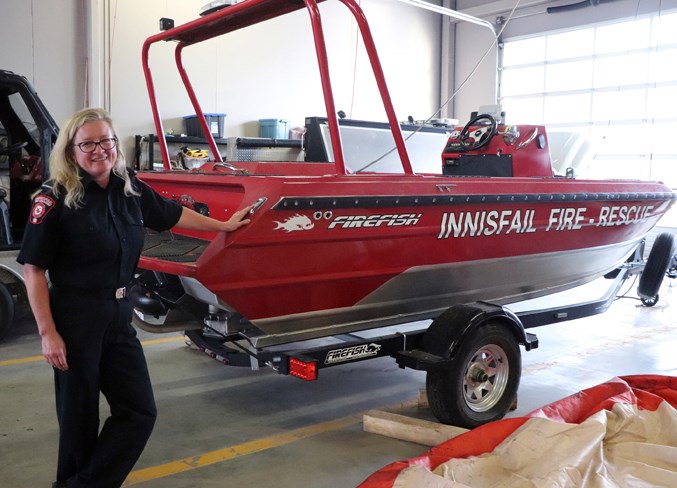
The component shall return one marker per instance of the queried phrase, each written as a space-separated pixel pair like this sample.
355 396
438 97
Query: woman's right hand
54 350
53 346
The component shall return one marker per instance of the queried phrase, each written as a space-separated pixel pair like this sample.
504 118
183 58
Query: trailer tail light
306 370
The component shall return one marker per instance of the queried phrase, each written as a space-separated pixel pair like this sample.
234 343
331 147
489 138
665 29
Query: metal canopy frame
251 12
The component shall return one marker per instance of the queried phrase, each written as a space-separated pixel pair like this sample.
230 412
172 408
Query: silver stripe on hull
423 292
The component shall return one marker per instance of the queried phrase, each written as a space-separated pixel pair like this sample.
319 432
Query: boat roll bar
250 12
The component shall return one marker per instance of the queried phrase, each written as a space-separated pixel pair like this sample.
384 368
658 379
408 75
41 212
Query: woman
86 229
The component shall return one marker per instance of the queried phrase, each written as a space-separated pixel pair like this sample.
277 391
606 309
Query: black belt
116 293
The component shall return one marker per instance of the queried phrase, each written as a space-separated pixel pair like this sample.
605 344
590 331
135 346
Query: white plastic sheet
619 434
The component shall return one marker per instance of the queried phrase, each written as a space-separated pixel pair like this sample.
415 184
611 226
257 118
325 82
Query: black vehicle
27 134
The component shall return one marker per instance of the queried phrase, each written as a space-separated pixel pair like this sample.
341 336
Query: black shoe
59 484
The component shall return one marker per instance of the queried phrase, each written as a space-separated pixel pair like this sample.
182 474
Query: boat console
484 148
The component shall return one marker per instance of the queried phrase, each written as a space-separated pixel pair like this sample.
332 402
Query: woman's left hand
192 220
237 220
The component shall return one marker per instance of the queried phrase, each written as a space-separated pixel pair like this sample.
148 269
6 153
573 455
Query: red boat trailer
365 253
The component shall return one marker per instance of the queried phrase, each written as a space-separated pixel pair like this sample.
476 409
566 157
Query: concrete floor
225 426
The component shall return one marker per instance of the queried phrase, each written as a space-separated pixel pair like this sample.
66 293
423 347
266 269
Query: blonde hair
64 170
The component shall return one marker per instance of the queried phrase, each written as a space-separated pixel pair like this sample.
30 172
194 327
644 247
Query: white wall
475 78
49 53
267 71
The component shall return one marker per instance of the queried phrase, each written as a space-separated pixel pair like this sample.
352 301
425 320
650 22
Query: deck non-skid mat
622 433
173 247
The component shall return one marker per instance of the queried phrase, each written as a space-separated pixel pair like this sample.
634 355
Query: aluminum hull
325 252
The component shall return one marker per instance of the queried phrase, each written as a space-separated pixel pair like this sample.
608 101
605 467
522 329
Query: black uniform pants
103 355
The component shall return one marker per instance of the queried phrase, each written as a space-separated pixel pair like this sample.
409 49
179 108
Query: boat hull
354 252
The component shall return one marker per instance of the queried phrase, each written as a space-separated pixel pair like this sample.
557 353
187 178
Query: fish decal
295 222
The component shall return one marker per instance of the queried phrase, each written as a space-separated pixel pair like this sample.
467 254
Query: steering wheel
481 136
13 148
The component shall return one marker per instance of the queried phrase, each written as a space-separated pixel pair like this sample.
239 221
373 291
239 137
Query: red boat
333 249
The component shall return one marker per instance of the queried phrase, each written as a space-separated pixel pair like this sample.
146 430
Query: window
616 84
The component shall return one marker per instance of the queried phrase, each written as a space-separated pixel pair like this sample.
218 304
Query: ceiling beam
498 7
450 13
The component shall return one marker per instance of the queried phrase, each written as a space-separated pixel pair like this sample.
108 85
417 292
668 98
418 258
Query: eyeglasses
90 146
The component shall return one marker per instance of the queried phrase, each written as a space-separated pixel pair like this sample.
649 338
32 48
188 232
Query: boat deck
173 247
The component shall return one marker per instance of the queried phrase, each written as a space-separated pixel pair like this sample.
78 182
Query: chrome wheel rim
486 378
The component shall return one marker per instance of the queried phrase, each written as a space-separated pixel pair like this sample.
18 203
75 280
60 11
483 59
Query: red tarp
596 437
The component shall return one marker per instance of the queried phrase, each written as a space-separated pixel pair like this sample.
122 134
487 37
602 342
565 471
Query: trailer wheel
650 302
6 310
482 383
656 266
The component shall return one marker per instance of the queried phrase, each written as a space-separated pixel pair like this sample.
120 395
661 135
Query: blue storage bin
214 122
274 128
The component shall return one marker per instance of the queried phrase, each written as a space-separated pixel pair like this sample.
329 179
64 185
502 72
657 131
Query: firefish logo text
387 220
352 353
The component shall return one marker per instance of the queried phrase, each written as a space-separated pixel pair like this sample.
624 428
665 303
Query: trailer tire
6 310
481 385
656 266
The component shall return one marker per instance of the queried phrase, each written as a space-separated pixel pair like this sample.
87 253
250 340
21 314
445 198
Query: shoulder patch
42 204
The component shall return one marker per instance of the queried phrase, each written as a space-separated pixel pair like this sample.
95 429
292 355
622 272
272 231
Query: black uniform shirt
95 246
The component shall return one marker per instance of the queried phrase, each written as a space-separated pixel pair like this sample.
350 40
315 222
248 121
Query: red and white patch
42 204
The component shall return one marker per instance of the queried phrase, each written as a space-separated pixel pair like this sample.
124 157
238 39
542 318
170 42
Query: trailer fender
448 330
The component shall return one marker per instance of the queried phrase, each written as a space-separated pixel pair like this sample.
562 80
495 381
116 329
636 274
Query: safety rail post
370 47
196 104
153 103
332 117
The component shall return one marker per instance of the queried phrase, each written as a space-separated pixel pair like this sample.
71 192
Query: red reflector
302 369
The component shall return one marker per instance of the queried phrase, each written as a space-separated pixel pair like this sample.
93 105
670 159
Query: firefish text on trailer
495 222
352 353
